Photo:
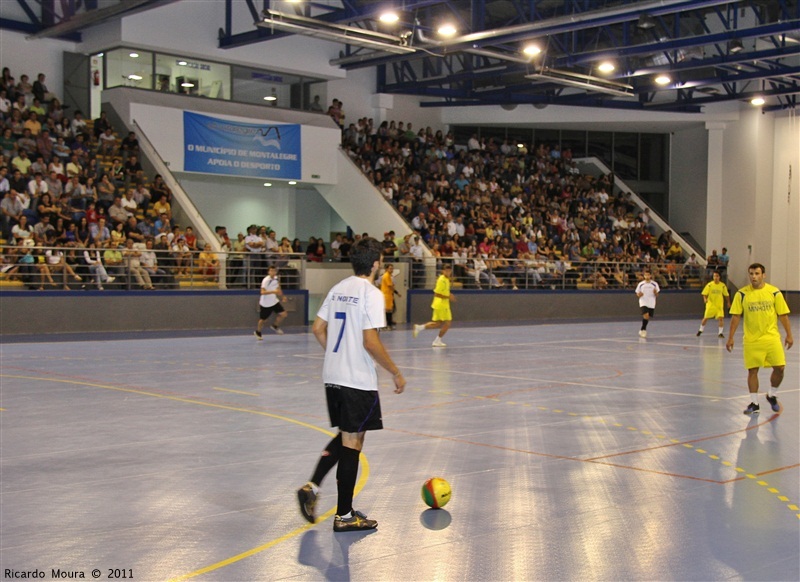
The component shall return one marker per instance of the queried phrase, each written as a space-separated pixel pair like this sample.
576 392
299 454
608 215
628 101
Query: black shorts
353 410
265 312
649 310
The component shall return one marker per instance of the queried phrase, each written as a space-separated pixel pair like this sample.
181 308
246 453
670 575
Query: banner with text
260 150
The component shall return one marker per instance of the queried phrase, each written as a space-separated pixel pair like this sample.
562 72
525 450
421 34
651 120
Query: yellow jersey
759 309
442 288
716 293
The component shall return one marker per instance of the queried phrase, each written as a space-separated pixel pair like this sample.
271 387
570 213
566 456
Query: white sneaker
438 343
417 328
642 333
111 279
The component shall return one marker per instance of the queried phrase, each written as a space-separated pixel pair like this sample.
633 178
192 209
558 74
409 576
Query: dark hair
363 255
757 266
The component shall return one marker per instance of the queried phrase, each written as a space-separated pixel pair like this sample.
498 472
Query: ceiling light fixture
135 77
134 55
663 80
447 30
297 24
389 17
187 84
292 182
270 98
757 101
580 81
735 46
267 184
532 50
182 63
646 21
606 67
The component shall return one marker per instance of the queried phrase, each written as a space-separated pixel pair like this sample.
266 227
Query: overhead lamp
588 82
182 63
187 84
447 30
100 55
646 21
389 17
270 98
133 55
268 184
735 45
312 27
135 77
757 101
292 182
532 50
663 80
606 67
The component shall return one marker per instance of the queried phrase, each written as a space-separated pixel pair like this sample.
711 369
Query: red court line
551 456
716 436
763 473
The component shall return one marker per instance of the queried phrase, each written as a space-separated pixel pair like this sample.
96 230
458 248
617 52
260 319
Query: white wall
687 182
191 28
31 57
164 127
760 225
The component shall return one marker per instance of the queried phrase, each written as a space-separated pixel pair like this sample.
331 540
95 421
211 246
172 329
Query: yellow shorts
442 314
764 354
713 312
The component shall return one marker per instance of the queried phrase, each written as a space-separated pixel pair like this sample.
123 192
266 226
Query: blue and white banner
260 150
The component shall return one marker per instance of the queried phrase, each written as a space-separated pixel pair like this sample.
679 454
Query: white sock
772 392
348 515
314 488
702 328
754 397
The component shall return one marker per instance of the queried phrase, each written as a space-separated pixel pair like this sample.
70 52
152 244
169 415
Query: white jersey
269 284
353 305
648 290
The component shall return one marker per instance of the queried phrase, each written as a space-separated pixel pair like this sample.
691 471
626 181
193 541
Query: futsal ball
436 492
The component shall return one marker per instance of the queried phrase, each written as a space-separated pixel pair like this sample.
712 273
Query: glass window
653 156
265 87
190 76
626 155
575 141
600 146
129 68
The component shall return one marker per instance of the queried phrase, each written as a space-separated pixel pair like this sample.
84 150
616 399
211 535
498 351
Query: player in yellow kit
715 295
441 307
761 305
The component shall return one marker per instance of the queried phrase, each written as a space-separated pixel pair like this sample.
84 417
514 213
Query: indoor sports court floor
575 452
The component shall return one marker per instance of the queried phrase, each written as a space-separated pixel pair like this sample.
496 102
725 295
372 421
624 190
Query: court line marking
362 480
236 391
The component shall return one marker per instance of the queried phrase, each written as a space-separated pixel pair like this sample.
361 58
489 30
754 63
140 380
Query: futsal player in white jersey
347 327
647 291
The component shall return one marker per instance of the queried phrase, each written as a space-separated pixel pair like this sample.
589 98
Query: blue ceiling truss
712 50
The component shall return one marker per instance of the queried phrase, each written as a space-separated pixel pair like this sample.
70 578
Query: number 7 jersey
352 305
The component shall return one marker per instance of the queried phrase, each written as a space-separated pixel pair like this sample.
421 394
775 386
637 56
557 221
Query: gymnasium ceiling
711 51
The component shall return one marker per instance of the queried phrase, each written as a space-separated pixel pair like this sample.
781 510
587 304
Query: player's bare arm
376 349
789 341
320 331
732 330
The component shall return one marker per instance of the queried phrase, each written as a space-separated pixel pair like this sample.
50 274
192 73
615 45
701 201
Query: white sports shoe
642 333
417 328
438 343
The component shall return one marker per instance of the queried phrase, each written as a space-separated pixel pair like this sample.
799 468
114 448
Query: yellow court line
362 480
236 391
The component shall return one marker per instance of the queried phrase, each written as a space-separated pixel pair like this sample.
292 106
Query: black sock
346 474
330 456
644 323
389 318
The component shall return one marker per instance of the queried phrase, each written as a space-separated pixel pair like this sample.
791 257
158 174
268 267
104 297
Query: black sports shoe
258 335
307 499
358 522
752 408
699 333
773 402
